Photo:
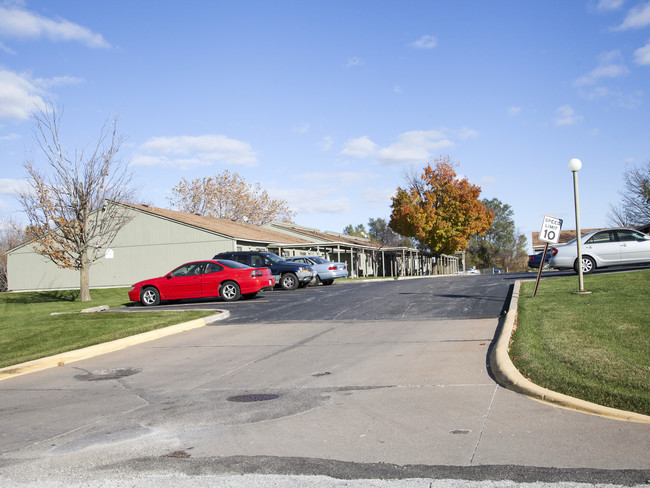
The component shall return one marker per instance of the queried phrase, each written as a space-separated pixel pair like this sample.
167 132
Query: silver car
327 271
603 248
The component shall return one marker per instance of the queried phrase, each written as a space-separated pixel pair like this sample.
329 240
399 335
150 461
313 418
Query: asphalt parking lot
455 297
358 381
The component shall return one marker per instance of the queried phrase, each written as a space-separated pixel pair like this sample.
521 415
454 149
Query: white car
603 248
470 271
327 271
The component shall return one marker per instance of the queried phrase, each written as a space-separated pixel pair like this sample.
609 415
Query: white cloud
597 93
378 195
19 96
467 133
60 81
608 5
636 18
6 49
334 206
338 179
12 187
302 128
332 189
144 160
353 61
610 65
10 137
642 55
18 23
567 116
414 147
362 147
303 202
327 143
625 100
192 151
488 181
426 42
514 111
630 100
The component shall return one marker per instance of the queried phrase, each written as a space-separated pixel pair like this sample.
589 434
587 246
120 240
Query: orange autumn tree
439 209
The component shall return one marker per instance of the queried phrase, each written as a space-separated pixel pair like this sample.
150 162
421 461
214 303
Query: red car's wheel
149 296
229 291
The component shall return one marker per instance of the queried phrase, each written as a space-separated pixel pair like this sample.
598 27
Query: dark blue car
535 259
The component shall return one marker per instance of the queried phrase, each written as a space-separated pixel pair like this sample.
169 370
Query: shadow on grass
43 296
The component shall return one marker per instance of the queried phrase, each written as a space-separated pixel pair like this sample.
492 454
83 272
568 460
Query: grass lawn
28 331
595 347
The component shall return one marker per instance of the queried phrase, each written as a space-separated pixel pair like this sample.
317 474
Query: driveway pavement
340 399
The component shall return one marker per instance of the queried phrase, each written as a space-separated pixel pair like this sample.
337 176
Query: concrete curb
509 377
96 350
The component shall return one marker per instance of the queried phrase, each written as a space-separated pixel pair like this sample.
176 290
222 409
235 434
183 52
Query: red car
214 278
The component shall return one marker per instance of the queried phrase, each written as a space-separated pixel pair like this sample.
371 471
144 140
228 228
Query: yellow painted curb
96 350
510 377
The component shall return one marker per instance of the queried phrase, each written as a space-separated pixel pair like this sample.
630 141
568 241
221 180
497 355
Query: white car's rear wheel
588 265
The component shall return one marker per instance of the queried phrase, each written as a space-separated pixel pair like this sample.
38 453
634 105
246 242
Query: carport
362 256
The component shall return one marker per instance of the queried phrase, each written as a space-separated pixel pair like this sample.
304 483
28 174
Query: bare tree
11 235
228 196
634 207
70 209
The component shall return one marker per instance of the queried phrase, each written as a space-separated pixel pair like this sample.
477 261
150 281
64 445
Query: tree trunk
84 277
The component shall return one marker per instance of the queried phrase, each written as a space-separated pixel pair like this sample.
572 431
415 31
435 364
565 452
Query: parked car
470 271
287 275
326 271
228 280
603 248
535 259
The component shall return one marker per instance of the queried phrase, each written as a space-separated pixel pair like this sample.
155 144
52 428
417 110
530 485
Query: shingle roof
325 236
236 230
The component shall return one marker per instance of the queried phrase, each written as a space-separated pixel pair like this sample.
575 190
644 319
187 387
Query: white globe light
575 165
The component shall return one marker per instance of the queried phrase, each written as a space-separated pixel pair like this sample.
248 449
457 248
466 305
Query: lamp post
574 166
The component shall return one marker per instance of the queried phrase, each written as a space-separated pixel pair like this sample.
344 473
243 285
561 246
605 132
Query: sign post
550 234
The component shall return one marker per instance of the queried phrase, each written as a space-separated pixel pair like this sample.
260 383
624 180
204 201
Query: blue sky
327 104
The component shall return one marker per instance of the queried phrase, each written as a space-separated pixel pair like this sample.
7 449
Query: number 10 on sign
550 230
550 234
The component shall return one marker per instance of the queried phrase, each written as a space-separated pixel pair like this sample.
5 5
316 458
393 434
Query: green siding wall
148 246
27 270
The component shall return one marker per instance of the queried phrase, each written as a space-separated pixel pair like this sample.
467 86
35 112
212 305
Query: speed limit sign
550 230
550 234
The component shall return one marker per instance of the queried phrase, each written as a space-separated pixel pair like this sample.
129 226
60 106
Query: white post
575 165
